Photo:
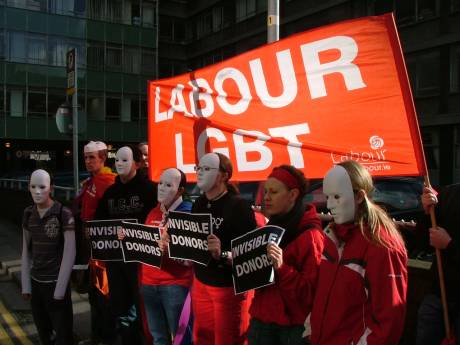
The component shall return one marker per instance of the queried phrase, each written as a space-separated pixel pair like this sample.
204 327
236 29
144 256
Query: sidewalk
10 265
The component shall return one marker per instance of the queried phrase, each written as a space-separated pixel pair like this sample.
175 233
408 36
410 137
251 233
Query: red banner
311 100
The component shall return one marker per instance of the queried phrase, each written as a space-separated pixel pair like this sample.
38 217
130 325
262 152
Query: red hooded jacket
289 300
361 292
92 191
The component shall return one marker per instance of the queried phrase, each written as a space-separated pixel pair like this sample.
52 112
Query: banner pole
442 285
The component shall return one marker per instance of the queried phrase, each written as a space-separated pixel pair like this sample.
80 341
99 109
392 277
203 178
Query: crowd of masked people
342 284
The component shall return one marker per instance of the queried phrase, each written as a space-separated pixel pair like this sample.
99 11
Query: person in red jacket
278 311
164 290
361 291
102 320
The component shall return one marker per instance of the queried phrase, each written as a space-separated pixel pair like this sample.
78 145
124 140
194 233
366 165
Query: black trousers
102 319
52 315
124 300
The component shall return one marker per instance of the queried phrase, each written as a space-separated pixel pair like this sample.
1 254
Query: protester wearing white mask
220 317
131 196
340 196
48 228
165 290
361 290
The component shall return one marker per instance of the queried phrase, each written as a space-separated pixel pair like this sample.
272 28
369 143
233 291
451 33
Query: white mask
40 186
207 171
168 186
340 197
124 161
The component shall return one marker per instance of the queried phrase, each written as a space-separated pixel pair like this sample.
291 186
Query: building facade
119 42
116 45
429 33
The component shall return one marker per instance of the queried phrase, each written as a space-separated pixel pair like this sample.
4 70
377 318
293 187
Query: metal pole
76 182
273 21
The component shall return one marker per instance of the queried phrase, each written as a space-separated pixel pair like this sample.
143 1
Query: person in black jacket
131 196
220 316
445 237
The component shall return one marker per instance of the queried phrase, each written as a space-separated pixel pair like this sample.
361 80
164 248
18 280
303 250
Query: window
36 49
457 147
165 68
2 45
95 106
55 98
17 47
430 139
148 14
426 9
166 28
424 71
64 6
95 56
143 107
114 11
245 9
113 107
113 58
204 25
96 9
455 5
135 12
34 5
131 60
405 11
383 6
179 31
2 102
15 102
57 50
409 11
135 108
455 68
428 67
148 62
217 18
36 102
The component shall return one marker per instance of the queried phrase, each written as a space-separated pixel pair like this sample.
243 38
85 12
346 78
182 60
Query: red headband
286 177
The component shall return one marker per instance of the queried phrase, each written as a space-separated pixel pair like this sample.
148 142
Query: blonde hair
381 229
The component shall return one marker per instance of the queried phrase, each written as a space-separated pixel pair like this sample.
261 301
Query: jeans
261 333
430 322
163 306
52 315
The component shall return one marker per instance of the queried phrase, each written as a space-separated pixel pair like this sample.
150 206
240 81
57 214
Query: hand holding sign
275 254
214 246
255 255
120 234
164 241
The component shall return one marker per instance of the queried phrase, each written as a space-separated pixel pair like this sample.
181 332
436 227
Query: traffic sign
70 67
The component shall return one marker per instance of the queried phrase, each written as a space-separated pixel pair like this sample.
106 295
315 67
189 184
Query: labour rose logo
376 142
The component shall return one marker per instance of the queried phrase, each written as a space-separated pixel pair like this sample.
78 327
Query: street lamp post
72 89
273 21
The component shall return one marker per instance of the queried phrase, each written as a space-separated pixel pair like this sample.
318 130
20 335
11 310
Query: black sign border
109 220
273 272
210 230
